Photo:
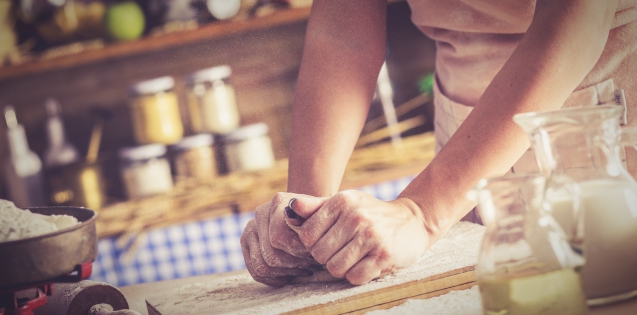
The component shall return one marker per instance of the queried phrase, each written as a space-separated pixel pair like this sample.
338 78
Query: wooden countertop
136 294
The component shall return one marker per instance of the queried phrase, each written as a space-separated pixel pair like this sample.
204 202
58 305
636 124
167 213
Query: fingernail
289 212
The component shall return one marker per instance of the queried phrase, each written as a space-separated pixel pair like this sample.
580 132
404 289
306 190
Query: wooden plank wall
265 65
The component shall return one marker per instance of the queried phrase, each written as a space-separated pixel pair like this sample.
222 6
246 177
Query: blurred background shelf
264 54
206 32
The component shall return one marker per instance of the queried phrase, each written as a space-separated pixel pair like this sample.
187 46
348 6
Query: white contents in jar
250 154
222 114
248 148
610 235
16 223
211 101
147 178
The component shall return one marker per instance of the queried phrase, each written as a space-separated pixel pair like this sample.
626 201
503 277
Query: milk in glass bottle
583 143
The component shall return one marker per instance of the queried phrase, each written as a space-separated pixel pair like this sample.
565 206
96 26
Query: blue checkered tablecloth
190 249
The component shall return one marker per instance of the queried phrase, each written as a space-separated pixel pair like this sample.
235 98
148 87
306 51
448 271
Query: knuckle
306 237
384 256
344 197
335 269
359 220
369 231
319 256
270 260
261 270
355 279
277 239
250 225
260 210
279 198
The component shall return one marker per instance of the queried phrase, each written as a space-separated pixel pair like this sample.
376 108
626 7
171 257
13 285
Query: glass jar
145 170
194 157
249 148
155 111
525 265
584 144
211 101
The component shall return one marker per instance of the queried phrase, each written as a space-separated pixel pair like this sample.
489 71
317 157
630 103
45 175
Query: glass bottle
584 143
59 151
145 170
23 168
211 101
155 111
194 157
525 265
248 148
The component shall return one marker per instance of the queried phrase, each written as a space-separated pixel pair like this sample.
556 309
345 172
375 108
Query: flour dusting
462 302
241 295
16 223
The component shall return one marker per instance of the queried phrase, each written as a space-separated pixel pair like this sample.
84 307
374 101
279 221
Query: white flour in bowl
16 223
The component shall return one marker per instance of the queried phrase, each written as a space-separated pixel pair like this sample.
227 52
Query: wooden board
459 279
448 265
391 296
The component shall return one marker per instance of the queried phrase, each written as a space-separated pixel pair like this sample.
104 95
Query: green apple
124 20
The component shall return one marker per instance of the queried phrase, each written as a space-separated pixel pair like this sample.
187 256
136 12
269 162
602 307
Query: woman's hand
359 237
273 253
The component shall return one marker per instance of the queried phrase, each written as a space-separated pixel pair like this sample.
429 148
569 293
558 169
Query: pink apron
474 39
449 115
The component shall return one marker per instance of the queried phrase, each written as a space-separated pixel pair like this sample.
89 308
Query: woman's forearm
344 50
560 47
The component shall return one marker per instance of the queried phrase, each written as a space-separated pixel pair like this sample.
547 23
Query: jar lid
246 132
196 141
151 86
144 152
210 74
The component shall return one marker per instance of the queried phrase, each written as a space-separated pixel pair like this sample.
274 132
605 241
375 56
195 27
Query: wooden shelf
150 44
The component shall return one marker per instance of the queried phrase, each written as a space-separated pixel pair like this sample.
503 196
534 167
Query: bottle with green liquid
526 265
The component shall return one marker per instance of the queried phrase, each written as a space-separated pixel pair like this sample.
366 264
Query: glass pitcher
526 265
584 143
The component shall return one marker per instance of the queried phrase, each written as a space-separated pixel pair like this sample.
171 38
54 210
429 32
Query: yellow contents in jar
556 292
156 118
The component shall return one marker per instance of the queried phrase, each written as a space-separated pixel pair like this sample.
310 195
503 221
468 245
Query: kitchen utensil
523 249
36 262
50 256
583 143
86 297
81 183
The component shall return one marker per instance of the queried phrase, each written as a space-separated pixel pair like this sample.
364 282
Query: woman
494 59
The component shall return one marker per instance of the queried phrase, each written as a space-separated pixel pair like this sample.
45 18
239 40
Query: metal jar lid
152 86
196 141
210 74
246 132
144 152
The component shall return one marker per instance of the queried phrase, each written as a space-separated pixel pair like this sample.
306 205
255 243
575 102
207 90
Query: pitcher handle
629 137
559 182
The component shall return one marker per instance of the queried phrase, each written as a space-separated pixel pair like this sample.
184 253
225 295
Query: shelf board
151 44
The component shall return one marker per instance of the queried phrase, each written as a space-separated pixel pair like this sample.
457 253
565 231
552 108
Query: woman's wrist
309 176
439 201
432 231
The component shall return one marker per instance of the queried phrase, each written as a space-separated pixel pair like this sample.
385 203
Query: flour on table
240 294
16 223
462 302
